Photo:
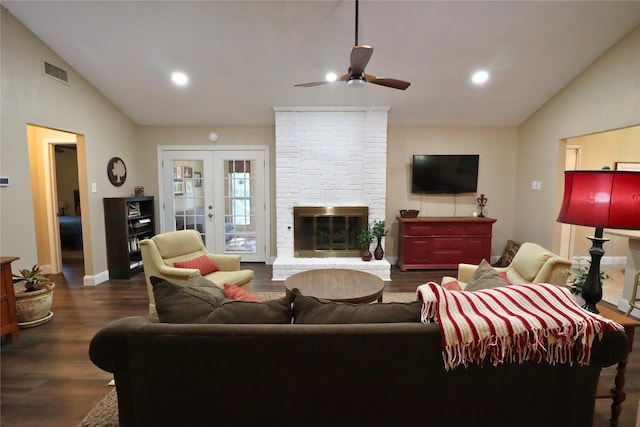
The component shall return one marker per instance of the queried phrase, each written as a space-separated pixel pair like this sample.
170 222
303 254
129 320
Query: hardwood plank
47 379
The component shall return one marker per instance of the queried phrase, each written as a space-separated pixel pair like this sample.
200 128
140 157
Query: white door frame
266 181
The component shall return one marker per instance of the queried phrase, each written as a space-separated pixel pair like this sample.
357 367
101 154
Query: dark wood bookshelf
127 221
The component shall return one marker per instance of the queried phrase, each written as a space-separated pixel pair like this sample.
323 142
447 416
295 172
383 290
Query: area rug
104 414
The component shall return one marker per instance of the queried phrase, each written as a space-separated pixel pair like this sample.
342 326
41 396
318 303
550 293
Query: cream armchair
531 264
161 251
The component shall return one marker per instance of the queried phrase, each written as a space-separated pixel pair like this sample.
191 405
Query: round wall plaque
116 171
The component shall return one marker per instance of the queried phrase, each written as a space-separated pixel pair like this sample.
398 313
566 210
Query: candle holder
482 201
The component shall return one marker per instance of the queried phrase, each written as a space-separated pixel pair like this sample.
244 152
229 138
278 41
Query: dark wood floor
48 380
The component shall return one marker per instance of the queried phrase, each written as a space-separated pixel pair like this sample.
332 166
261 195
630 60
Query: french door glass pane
239 206
188 196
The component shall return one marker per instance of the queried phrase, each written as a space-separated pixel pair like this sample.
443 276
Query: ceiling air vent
56 72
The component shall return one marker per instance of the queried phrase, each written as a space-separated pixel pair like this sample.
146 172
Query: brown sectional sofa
387 373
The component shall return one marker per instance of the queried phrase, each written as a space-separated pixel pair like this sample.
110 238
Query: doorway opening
58 197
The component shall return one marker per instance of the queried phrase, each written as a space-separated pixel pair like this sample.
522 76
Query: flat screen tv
444 173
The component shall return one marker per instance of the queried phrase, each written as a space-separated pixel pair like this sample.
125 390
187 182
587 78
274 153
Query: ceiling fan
360 56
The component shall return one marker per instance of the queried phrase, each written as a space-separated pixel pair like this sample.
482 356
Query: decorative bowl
409 213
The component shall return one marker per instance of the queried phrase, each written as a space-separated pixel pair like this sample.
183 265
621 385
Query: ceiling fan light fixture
356 81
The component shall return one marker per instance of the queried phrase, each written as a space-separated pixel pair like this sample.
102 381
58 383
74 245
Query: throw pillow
273 311
235 292
182 304
313 310
510 250
453 285
196 281
485 277
202 263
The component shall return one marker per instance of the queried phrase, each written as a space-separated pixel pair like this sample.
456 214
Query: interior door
187 182
239 196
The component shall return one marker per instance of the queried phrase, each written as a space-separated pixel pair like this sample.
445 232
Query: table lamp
600 199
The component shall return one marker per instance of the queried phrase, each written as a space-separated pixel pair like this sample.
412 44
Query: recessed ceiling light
480 77
331 77
179 78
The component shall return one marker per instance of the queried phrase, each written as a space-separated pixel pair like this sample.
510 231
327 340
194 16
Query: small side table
9 323
617 393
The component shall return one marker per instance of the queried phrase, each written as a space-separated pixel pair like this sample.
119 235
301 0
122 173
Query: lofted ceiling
244 57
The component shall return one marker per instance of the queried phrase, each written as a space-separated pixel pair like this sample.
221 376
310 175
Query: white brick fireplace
333 156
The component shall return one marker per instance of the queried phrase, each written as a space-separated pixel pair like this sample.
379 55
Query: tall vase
378 253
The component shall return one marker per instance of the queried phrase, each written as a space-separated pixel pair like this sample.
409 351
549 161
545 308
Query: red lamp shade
603 198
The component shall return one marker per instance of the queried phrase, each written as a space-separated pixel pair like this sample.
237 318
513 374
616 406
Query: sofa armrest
108 347
175 274
226 262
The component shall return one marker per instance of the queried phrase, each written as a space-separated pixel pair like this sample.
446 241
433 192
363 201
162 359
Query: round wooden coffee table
340 285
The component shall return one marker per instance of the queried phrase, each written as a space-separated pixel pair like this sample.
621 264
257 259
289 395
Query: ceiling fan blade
342 78
311 84
384 81
360 56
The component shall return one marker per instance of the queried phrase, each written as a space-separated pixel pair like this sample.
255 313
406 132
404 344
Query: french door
220 193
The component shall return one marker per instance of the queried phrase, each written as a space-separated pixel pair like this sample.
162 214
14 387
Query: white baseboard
95 280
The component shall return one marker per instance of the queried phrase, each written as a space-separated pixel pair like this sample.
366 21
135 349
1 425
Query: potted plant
34 297
379 231
577 275
365 237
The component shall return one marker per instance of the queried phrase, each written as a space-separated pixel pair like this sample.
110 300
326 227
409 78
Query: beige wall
497 147
605 96
29 97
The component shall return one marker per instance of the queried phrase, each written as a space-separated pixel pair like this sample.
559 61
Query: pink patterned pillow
452 285
235 292
503 276
202 263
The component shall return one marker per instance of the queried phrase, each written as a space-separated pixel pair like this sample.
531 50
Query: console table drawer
446 257
435 229
478 229
448 243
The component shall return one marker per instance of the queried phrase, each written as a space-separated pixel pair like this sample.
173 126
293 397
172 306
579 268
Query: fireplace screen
328 231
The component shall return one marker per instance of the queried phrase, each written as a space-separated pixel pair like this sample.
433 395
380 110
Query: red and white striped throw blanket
516 323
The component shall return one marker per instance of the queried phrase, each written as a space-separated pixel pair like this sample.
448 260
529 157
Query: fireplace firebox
328 231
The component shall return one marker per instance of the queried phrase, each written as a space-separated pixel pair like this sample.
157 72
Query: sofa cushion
186 304
485 277
178 243
276 311
529 261
318 311
202 263
235 292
